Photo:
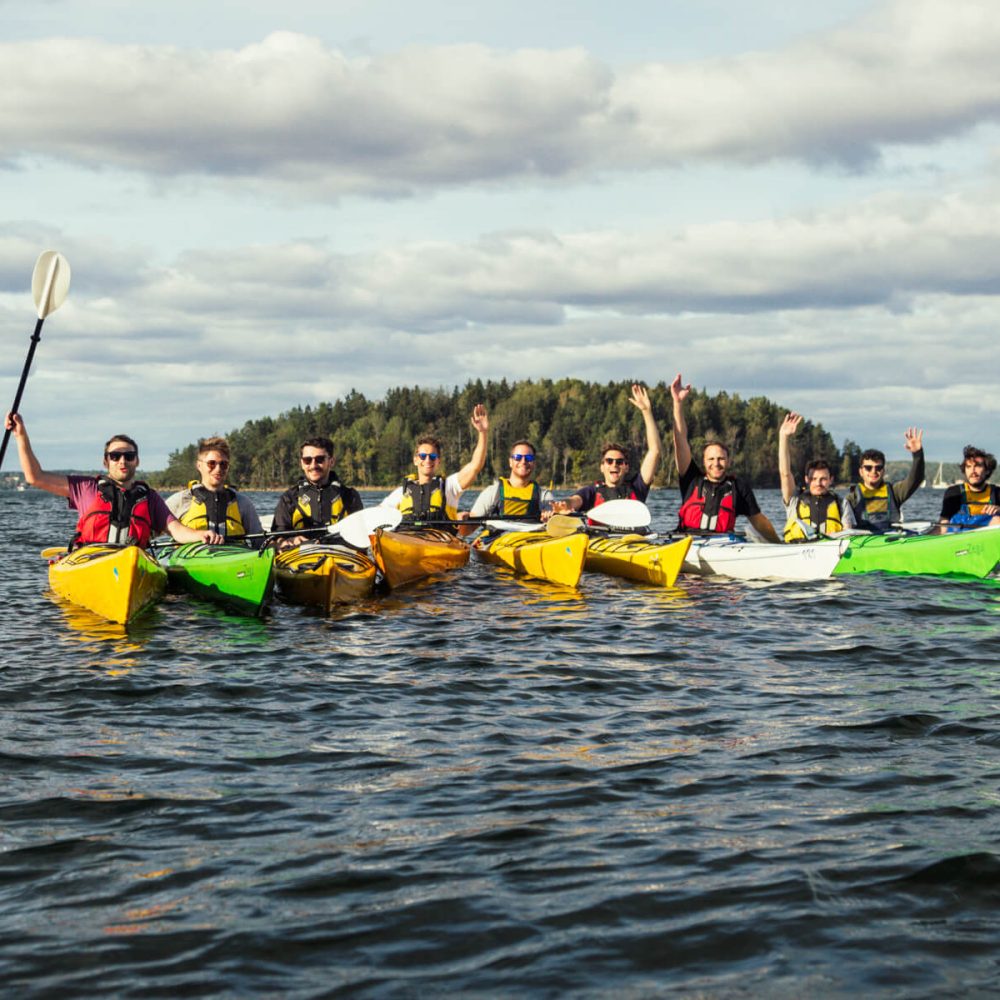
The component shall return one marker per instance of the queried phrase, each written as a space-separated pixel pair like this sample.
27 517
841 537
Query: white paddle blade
498 525
621 514
356 527
49 282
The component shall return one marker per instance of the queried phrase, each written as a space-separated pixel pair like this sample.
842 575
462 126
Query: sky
265 206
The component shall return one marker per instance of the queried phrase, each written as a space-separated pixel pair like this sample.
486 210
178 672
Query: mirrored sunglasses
518 457
424 455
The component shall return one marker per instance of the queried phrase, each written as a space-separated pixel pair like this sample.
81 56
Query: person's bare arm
682 448
468 473
34 474
654 446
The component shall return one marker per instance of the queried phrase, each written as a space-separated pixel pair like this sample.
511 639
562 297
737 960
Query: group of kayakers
114 506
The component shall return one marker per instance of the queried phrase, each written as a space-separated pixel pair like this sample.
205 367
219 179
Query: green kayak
233 575
962 553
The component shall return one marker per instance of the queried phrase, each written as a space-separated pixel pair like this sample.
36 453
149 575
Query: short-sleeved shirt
588 494
487 500
954 500
179 502
745 501
83 491
452 491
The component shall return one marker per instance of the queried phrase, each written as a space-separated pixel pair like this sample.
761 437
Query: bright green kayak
961 553
240 578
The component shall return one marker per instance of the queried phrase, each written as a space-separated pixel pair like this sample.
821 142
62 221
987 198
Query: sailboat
939 483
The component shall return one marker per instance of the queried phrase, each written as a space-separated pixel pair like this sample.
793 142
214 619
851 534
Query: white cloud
308 121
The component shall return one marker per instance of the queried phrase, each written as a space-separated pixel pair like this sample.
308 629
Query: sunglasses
424 455
518 457
222 463
615 461
317 459
117 456
872 468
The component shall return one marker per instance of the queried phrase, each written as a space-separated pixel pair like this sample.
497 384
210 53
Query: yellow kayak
114 582
534 553
406 555
324 575
637 558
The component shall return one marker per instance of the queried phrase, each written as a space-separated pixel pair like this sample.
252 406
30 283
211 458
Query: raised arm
788 427
468 473
913 438
682 449
654 446
34 474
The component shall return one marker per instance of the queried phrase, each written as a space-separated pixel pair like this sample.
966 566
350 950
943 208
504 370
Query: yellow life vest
875 509
976 500
214 511
316 507
517 501
425 501
813 516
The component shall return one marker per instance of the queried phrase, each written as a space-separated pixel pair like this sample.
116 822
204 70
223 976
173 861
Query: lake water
485 787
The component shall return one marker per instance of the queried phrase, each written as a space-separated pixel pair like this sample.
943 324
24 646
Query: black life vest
813 516
424 501
216 511
318 506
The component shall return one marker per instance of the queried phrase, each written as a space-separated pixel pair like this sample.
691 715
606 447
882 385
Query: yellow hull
405 556
637 558
324 575
533 553
113 582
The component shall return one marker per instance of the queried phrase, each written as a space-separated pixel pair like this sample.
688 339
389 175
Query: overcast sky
290 201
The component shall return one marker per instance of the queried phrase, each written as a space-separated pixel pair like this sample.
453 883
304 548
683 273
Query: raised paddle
49 285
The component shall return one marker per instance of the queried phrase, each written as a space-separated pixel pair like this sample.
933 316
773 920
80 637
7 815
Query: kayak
406 555
324 575
735 557
975 552
636 557
233 575
534 553
114 581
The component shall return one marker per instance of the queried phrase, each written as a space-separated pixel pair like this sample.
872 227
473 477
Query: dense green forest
567 420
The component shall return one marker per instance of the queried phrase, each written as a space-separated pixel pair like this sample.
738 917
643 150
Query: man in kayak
318 500
211 503
619 483
711 498
113 506
975 502
517 495
813 510
429 496
874 504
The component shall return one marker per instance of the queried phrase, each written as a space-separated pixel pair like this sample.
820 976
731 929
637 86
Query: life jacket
318 506
517 501
121 517
971 512
425 501
709 507
625 490
813 516
874 509
214 511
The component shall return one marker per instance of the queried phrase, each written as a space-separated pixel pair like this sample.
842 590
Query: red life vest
122 517
709 507
626 491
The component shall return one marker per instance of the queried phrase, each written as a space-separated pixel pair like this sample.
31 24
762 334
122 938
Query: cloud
305 121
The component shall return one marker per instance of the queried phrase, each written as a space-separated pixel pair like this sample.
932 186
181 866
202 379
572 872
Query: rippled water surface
487 787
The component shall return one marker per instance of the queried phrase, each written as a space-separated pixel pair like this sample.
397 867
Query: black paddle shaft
35 337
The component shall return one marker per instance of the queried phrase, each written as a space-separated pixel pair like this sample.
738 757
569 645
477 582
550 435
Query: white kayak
743 560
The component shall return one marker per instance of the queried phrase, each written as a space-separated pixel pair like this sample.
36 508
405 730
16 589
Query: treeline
568 421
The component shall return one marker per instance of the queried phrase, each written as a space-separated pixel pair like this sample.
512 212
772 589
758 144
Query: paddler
429 496
318 500
874 504
813 510
516 495
618 482
210 502
711 498
113 506
974 502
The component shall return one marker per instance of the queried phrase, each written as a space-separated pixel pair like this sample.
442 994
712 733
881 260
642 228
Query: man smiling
319 499
113 506
813 510
712 499
211 503
874 504
515 495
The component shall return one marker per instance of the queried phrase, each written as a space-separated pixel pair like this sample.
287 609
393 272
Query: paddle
49 285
